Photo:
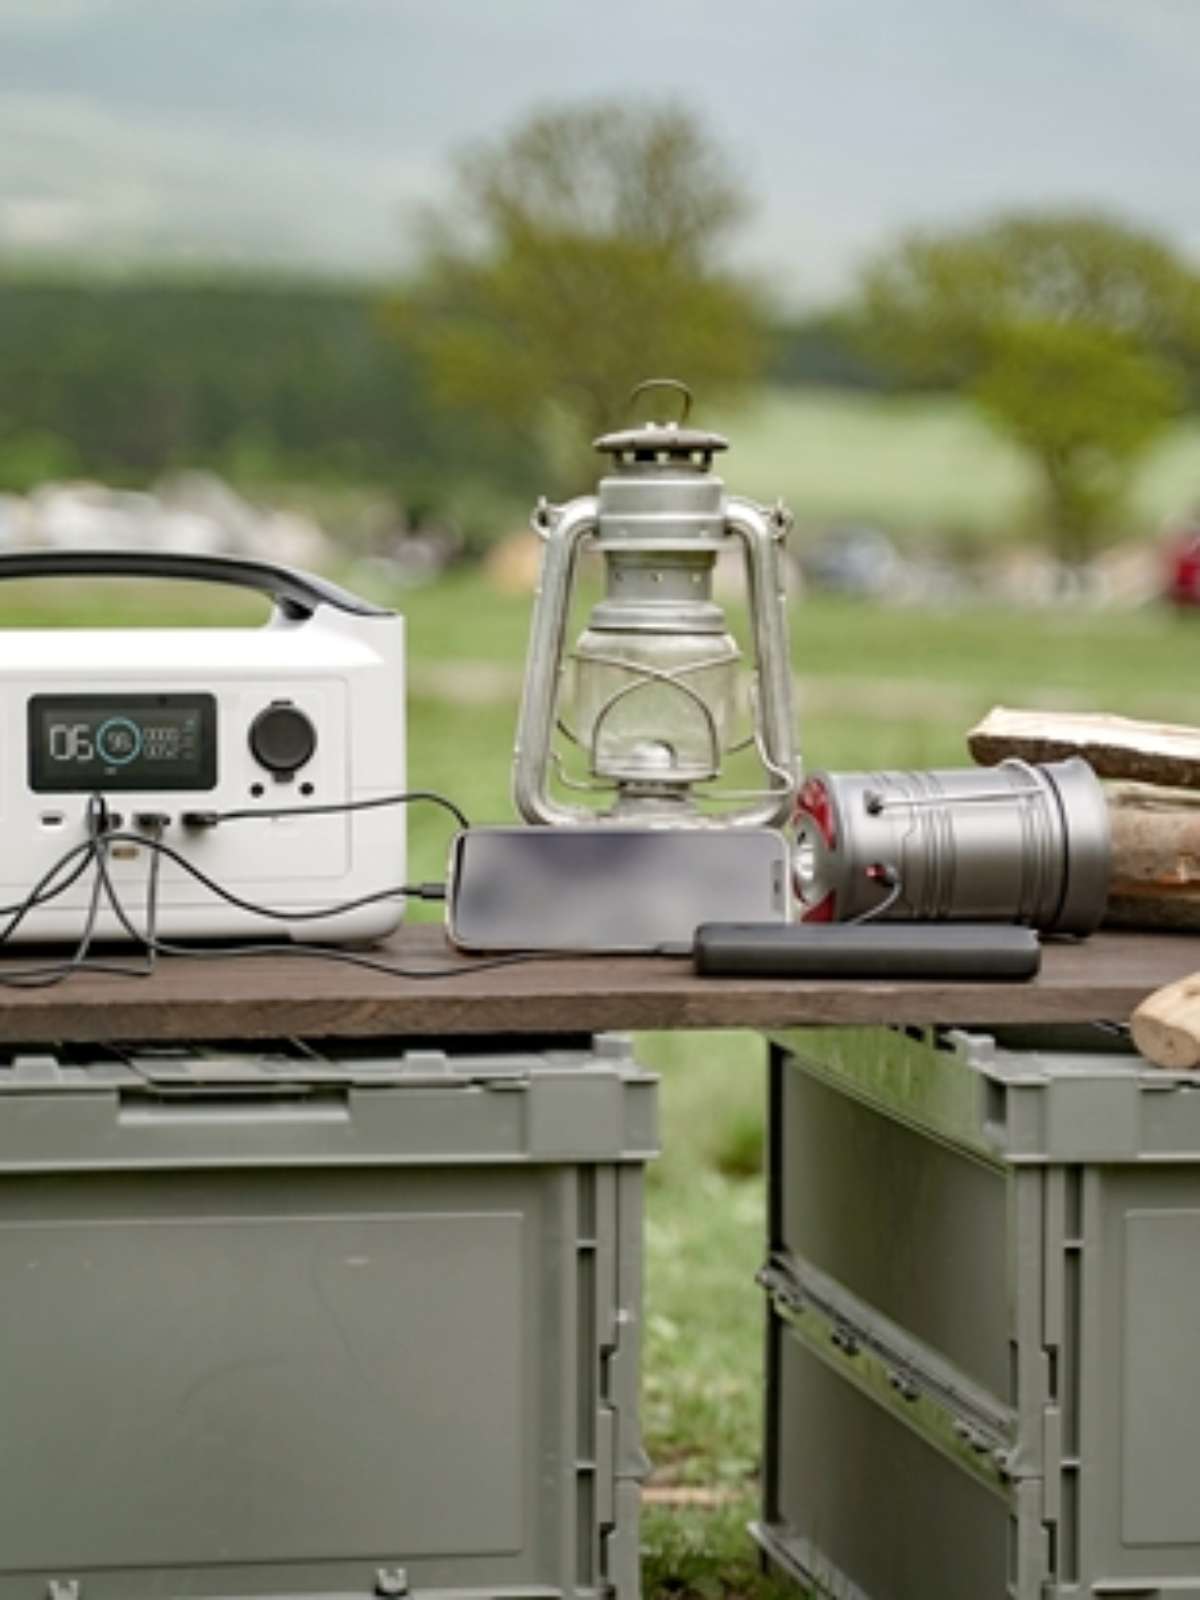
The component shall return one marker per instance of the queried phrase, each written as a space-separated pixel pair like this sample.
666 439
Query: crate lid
290 1065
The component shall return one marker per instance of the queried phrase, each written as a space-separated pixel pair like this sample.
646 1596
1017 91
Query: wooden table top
269 996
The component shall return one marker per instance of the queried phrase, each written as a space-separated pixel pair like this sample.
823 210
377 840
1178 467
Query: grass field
917 465
875 687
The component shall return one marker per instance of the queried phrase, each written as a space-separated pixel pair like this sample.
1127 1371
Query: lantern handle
760 532
564 528
665 383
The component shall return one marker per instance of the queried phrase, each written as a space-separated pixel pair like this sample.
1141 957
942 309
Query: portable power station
175 727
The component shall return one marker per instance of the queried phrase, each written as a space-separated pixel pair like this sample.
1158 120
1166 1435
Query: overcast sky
307 131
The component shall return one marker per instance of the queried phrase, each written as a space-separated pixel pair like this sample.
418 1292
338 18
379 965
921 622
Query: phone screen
611 888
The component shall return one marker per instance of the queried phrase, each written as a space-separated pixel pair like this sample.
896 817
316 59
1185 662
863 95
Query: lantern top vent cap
668 442
661 441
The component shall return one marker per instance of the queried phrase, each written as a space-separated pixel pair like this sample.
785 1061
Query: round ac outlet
282 738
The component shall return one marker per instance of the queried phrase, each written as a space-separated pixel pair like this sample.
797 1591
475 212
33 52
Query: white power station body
167 723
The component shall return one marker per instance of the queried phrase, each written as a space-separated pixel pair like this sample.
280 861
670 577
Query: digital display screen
82 742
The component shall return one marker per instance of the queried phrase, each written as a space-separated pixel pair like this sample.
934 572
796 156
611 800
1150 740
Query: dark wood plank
271 996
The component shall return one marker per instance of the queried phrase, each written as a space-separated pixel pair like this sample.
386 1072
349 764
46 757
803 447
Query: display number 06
71 741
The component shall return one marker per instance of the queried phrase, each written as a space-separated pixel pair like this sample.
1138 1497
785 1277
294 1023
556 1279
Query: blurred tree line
265 379
585 251
568 261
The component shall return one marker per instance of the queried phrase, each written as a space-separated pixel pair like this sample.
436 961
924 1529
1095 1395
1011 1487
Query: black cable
41 892
95 850
151 892
155 946
40 898
46 975
314 951
890 876
98 819
118 909
350 958
45 890
417 891
209 819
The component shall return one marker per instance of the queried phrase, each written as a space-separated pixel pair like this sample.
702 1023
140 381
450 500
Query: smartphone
610 888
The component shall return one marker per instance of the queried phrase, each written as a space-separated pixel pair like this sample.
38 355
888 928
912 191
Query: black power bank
883 950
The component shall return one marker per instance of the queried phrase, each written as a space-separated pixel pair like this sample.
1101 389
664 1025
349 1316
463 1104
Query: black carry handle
297 594
840 950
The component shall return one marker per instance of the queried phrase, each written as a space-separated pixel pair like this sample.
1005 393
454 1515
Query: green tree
575 257
1073 333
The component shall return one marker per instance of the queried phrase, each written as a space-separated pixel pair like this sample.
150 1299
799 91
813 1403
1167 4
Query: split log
1115 747
1166 1026
1155 879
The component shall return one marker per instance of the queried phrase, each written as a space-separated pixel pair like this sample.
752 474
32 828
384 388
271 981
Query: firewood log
1115 747
1155 820
1155 856
1166 1026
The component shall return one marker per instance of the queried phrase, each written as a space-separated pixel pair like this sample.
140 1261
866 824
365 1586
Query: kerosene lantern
651 691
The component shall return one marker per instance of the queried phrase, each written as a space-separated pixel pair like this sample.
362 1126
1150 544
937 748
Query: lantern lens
654 707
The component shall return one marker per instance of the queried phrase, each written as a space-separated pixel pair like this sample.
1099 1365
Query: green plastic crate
321 1322
983 1290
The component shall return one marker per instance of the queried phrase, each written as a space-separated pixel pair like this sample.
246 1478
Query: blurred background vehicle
1183 565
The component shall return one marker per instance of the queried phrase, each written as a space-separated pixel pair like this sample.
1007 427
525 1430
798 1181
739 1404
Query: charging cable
212 819
881 872
105 829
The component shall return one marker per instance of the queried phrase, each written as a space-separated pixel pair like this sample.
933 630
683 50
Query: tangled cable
95 852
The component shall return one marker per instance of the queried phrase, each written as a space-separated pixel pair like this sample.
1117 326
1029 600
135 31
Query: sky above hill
308 132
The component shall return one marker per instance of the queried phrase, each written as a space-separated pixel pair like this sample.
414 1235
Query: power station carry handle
297 594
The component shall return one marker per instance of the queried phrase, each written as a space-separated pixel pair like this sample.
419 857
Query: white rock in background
194 512
83 516
205 495
291 540
286 537
14 522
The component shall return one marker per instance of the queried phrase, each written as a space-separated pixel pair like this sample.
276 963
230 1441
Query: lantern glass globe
654 707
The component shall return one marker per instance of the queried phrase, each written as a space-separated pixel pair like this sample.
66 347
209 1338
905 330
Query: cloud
299 130
77 176
48 15
1168 31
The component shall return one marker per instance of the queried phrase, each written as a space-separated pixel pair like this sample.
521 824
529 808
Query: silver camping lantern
650 691
1013 843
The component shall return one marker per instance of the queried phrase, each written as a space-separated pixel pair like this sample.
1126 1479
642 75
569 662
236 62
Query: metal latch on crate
390 1583
913 1382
